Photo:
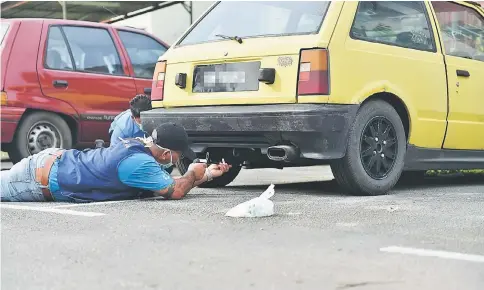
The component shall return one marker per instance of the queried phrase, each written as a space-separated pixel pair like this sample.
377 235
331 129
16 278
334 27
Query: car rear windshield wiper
236 38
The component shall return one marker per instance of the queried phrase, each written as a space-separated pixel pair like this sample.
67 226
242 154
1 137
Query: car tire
221 181
375 151
39 131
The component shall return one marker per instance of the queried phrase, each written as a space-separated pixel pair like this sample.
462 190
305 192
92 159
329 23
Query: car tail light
313 72
4 98
158 81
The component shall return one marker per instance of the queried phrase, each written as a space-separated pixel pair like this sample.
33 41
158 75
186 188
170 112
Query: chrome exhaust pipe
285 153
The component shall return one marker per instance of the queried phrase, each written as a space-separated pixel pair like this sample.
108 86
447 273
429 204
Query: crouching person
129 170
128 123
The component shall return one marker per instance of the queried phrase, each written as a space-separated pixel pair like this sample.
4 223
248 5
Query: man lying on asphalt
129 170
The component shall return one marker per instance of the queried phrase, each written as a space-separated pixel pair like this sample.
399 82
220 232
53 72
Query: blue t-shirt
138 170
142 171
125 127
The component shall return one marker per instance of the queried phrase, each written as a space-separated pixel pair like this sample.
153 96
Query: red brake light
313 72
158 81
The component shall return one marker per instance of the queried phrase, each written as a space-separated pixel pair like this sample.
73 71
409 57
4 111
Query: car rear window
4 26
143 52
258 19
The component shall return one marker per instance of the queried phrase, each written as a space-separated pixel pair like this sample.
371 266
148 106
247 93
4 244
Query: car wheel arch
70 120
398 104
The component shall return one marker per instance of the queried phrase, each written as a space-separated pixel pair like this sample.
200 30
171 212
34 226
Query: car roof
85 23
475 3
66 22
56 21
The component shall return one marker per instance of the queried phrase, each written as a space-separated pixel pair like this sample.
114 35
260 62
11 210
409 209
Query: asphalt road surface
428 236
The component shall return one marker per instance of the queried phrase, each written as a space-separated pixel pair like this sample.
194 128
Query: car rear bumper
10 117
319 131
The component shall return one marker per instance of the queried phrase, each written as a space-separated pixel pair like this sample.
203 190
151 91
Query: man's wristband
208 174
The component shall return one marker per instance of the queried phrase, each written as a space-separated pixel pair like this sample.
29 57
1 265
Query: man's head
138 104
170 143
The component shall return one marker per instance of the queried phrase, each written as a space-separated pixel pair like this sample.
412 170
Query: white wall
168 23
143 21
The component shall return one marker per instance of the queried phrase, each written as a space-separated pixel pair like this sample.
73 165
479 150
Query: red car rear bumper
9 117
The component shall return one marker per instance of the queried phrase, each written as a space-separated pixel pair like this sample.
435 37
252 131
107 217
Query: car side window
462 30
143 51
57 55
93 50
398 23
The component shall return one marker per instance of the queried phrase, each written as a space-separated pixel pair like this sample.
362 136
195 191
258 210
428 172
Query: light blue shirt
124 126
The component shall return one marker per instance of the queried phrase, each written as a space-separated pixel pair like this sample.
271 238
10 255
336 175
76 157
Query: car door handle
60 84
463 73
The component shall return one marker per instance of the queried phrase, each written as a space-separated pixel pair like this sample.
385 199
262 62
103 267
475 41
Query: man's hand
218 170
215 170
198 169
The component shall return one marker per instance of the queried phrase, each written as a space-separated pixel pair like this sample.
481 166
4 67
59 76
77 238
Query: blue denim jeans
19 184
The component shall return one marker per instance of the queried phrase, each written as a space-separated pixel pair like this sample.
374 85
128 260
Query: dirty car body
266 112
367 87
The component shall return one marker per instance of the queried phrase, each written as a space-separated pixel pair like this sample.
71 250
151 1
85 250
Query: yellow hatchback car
372 88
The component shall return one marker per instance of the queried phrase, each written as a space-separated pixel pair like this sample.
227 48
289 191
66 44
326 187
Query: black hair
138 104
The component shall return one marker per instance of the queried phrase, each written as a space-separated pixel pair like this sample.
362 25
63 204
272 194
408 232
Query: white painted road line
52 210
104 202
89 203
433 253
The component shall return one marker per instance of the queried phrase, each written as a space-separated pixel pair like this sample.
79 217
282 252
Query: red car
63 82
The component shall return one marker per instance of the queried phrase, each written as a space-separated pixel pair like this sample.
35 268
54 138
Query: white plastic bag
260 206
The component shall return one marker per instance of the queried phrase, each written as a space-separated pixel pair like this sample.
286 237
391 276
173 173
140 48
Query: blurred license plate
224 77
227 77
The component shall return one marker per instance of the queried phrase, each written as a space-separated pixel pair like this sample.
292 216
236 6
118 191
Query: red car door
143 52
82 65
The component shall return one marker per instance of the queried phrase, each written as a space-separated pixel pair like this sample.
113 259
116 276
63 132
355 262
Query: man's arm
180 186
184 184
198 182
142 171
114 139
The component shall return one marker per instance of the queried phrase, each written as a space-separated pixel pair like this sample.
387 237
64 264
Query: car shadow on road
326 188
331 188
441 181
